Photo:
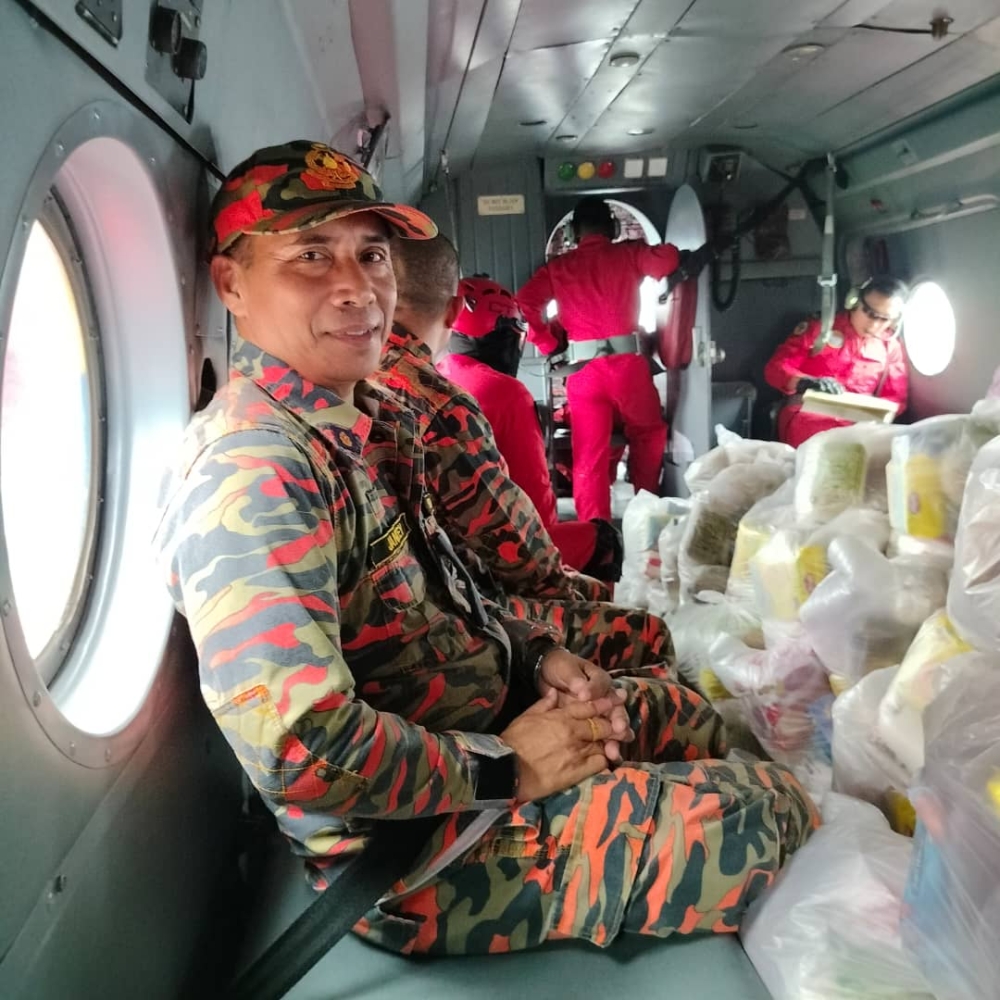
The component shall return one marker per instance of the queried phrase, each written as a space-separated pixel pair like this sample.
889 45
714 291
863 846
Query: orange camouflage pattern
344 664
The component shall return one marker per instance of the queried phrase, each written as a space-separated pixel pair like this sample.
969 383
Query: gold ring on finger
595 730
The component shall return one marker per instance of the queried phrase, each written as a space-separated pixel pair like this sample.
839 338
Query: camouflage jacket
483 510
338 653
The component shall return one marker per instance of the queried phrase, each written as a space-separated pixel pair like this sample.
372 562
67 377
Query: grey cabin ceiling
708 71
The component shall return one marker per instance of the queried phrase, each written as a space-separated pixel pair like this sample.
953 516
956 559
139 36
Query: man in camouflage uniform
488 517
357 674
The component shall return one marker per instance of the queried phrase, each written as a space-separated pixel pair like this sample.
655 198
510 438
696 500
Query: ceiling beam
390 45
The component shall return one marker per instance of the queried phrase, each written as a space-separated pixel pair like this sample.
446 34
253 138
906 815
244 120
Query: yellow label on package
935 644
900 812
812 567
917 503
750 540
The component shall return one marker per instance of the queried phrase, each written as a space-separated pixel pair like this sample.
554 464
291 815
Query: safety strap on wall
827 279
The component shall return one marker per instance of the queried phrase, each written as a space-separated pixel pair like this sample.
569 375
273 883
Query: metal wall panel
141 842
507 247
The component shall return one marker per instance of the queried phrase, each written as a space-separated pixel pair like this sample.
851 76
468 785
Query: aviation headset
887 286
595 214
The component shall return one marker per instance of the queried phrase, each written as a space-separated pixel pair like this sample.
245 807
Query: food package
756 528
861 767
788 568
645 518
929 550
952 901
709 540
867 610
696 625
786 698
936 658
974 591
829 927
669 545
926 477
843 467
735 450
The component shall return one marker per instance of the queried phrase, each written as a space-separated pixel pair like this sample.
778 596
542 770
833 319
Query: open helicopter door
689 389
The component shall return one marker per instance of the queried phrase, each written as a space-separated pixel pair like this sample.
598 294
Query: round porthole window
94 397
929 328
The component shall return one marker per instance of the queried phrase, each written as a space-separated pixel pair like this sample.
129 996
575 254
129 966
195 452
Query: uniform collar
592 239
342 423
405 340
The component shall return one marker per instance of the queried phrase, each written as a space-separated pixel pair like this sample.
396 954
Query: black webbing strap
391 852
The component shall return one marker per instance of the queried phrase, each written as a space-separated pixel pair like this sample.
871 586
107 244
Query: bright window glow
929 328
634 226
46 444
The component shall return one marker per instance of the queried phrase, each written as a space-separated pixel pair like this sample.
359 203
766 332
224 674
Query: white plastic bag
974 592
865 613
937 657
787 569
952 895
709 541
828 929
756 528
860 766
645 518
843 467
696 625
735 450
926 477
786 697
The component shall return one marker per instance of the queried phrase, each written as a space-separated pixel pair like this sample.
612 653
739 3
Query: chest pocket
396 579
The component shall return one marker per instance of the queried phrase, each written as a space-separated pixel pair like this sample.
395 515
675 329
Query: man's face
321 300
875 314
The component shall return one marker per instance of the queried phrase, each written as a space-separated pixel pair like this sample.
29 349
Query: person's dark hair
891 288
593 215
240 251
427 274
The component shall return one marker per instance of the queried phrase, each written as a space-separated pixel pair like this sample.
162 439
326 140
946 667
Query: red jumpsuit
510 409
857 364
596 287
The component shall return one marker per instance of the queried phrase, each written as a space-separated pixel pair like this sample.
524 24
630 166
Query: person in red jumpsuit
596 289
485 351
863 356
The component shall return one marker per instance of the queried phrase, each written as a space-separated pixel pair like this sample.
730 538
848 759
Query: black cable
130 96
720 303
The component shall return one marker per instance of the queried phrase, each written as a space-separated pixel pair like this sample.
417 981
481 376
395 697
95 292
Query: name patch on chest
386 546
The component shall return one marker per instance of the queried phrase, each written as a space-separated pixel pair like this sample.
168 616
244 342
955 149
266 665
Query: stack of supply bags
786 700
867 610
724 485
829 928
952 899
646 518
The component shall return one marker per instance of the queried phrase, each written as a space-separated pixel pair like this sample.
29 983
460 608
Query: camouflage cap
298 185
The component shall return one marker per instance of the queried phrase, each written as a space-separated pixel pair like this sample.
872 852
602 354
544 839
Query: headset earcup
852 298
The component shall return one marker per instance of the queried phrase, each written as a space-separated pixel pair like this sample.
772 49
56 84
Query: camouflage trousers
676 841
613 637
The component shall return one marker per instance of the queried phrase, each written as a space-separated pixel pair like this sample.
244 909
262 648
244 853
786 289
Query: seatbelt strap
391 852
827 279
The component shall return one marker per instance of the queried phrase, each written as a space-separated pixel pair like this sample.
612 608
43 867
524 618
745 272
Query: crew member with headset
596 289
485 353
864 355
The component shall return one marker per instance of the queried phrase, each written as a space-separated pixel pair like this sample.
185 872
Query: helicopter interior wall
960 255
109 870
